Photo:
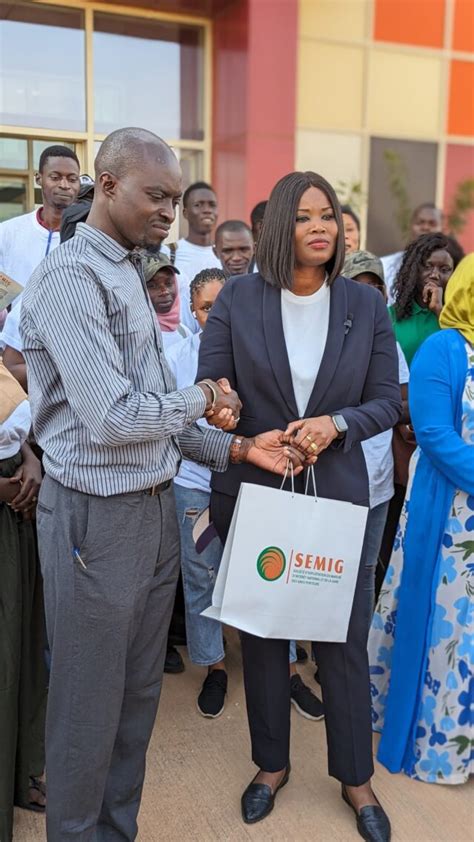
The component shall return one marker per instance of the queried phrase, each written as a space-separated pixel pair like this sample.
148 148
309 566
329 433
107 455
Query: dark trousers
23 677
108 609
344 672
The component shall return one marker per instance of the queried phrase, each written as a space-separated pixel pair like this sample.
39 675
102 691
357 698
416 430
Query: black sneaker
211 699
173 661
301 654
304 700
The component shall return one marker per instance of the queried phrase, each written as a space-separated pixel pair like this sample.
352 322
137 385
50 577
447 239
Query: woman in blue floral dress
421 645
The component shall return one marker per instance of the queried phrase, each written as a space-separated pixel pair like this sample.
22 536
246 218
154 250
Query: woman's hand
311 435
432 297
271 452
29 477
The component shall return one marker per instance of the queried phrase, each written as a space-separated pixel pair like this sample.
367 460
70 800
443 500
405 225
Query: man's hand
28 478
311 435
270 452
224 411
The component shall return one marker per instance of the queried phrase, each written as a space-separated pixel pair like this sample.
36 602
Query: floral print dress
444 748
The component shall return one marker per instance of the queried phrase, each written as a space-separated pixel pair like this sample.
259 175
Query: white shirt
14 430
378 452
23 244
191 258
10 334
183 361
305 326
173 337
391 265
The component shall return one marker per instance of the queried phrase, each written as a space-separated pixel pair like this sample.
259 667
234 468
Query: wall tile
403 93
343 20
330 80
419 22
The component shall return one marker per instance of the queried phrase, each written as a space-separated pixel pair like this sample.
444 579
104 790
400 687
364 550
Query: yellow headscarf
458 310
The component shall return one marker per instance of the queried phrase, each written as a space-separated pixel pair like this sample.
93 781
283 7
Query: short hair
416 254
56 151
231 225
204 277
276 245
349 212
258 212
198 185
123 150
429 205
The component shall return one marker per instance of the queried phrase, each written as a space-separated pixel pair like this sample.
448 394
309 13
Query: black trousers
344 671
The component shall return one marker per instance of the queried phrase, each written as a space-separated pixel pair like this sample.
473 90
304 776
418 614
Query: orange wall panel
419 22
461 98
463 28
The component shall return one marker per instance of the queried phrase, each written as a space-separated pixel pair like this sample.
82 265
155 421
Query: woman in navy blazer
252 338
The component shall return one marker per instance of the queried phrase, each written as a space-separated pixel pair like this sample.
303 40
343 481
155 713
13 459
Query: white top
14 430
23 244
173 337
191 258
378 452
305 326
183 361
10 334
391 265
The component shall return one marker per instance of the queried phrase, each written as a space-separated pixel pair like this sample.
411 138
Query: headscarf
168 321
458 310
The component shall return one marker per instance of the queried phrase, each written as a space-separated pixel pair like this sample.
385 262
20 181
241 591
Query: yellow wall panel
340 19
329 86
404 94
335 156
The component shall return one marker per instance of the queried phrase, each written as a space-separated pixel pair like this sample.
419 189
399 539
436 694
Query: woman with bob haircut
312 353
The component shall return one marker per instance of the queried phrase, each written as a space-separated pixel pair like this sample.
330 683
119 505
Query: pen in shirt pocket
77 556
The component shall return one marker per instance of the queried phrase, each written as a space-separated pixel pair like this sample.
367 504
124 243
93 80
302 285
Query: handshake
299 445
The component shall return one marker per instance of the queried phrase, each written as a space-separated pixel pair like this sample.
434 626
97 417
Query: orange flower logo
271 564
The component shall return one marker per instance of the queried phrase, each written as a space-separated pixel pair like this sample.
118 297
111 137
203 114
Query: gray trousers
110 566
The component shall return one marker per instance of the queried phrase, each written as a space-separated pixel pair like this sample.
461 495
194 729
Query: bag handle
289 469
310 473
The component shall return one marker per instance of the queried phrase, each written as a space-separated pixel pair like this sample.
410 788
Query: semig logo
271 564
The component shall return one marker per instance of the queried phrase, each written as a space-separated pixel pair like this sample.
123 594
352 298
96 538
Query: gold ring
34 499
314 447
309 437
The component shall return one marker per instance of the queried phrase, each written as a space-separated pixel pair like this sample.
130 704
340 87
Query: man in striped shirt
113 429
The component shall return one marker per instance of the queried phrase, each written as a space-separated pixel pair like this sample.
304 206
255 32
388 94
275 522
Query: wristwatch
340 424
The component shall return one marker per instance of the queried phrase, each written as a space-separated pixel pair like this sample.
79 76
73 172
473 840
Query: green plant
350 193
397 182
461 203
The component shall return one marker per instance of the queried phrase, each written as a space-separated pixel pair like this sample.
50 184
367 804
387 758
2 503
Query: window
43 67
148 73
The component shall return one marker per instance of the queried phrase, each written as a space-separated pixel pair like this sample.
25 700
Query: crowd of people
141 383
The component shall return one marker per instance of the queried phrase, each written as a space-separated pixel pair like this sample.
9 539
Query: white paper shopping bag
290 565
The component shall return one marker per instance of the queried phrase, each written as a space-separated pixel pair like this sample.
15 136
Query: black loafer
372 822
258 800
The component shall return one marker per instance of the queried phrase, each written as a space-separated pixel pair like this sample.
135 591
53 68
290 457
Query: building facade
377 95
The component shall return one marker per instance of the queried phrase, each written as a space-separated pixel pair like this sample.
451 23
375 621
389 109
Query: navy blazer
358 377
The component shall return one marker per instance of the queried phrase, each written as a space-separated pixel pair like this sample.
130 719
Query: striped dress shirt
104 402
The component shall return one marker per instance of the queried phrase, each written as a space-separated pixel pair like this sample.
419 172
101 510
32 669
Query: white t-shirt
391 265
10 334
305 326
173 337
23 245
183 361
378 452
14 430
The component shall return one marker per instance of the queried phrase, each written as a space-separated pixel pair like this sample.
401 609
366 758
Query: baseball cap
363 261
152 265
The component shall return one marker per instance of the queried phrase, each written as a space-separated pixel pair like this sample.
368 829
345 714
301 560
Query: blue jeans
204 636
